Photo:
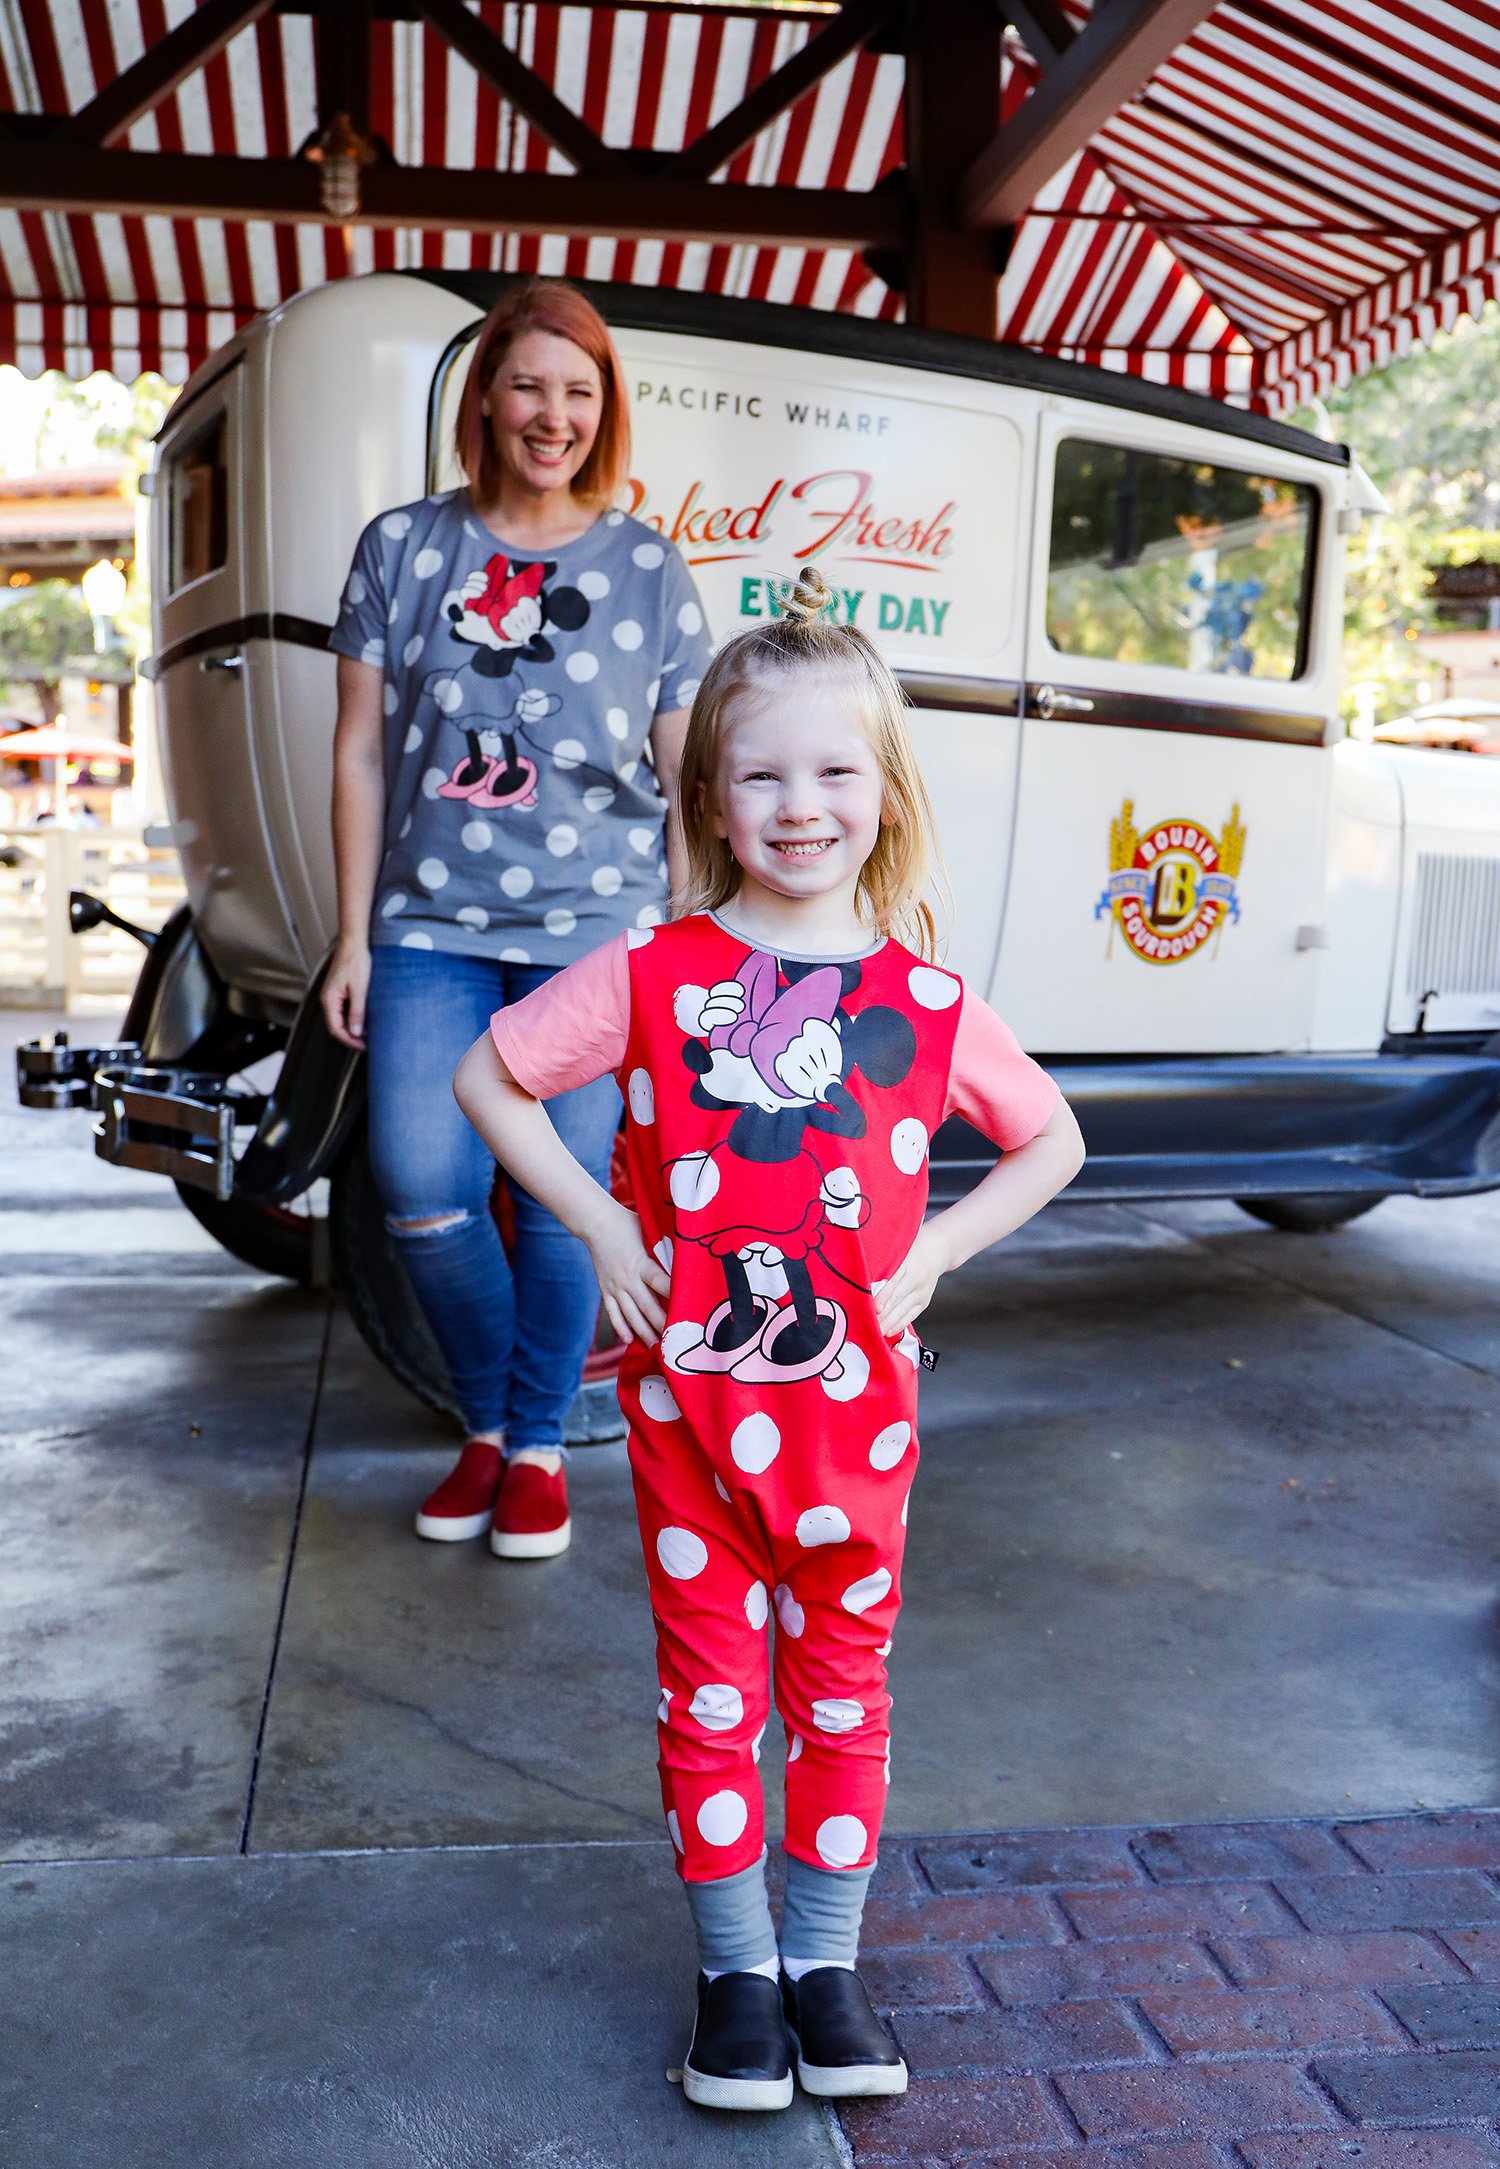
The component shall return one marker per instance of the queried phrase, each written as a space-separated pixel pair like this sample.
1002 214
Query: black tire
372 1280
272 1238
1316 1214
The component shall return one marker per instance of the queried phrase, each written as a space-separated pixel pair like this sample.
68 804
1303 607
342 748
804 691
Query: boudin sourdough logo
1171 886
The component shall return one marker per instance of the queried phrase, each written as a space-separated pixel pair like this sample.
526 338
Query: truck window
1177 563
197 506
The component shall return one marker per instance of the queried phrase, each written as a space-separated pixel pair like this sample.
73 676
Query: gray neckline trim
796 956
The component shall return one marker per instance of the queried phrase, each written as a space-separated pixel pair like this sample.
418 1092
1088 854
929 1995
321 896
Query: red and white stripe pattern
1305 189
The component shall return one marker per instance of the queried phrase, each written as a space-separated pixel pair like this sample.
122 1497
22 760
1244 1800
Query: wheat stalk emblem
1232 842
1122 842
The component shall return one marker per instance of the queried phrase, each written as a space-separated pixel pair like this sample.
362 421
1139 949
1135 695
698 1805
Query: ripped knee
405 1225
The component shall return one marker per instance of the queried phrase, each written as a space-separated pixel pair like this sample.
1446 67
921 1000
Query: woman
516 666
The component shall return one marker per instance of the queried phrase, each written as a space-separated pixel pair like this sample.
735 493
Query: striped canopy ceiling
1304 189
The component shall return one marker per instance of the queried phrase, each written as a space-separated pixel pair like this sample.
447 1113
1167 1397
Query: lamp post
103 592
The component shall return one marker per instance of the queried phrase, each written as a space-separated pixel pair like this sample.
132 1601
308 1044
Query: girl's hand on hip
344 993
909 1290
633 1283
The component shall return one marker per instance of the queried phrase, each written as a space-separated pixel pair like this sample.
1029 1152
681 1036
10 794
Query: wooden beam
535 100
158 72
341 32
37 176
1044 28
952 105
847 31
1112 58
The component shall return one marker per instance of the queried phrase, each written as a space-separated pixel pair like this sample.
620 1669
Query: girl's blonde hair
768 659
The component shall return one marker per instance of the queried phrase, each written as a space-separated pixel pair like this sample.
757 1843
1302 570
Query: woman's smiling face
544 405
799 795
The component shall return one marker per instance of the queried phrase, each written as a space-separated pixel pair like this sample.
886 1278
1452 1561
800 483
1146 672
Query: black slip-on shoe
842 2048
740 2058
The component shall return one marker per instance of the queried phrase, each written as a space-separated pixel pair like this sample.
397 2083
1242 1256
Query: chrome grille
1455 947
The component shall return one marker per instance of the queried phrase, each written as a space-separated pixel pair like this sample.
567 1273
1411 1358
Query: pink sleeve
1006 1095
571 1029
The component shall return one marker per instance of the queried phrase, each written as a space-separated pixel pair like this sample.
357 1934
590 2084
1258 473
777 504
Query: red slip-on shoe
465 1499
531 1513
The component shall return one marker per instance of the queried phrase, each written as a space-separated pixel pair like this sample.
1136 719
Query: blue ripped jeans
514 1333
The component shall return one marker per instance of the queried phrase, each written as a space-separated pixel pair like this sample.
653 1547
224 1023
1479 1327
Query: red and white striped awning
1304 189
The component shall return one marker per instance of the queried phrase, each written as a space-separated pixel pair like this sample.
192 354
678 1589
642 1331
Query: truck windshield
1177 563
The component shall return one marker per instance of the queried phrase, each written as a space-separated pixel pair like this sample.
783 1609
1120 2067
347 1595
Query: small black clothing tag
929 1359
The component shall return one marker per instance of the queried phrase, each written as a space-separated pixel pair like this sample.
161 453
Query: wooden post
952 114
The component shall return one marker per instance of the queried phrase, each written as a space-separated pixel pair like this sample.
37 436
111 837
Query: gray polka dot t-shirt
523 819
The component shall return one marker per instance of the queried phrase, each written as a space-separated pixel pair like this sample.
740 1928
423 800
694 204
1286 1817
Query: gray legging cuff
823 1910
733 1920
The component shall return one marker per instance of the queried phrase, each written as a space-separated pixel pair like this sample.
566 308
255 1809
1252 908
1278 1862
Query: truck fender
179 998
316 1101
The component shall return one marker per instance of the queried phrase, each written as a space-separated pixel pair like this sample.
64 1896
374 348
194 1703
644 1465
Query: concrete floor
1207 1527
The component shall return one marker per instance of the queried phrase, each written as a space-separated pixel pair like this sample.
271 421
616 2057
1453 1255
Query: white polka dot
649 915
432 780
627 635
674 1830
888 1766
755 1443
643 840
757 1605
662 1252
933 989
641 1097
687 691
889 1445
562 839
373 653
416 941
477 835
862 1595
394 611
682 1554
693 1182
909 1145
474 915
657 1400
690 618
432 874
599 797
426 563
412 650
838 1713
581 666
679 1337
854 1375
390 700
448 694
794 1748
355 590
663 1705
606 881
653 694
517 880
404 830
636 937
842 1841
559 922
569 752
515 956
884 1650
627 772
823 1525
722 1818
396 524
718 1707
905 1503
594 584
790 1616
755 1744
414 736
397 901
648 555
910 1347
718 1480
618 721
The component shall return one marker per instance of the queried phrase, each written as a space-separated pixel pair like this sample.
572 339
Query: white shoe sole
533 1544
452 1528
851 2082
713 2093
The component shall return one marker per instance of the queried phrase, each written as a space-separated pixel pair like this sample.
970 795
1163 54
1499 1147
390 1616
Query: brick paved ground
1290 1995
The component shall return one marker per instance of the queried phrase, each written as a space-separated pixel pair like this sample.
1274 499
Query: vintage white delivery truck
1263 960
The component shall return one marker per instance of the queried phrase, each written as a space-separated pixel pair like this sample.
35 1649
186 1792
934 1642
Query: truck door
1181 672
203 693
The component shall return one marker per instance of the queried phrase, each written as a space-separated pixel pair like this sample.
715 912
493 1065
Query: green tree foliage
46 631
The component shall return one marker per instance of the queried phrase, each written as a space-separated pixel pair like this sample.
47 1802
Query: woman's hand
909 1290
344 992
632 1282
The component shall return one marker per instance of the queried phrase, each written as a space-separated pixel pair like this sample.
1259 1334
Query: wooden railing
42 963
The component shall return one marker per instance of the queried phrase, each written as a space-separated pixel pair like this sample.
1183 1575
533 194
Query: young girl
785 1058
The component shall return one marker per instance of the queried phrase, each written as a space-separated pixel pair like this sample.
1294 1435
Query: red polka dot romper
779 1113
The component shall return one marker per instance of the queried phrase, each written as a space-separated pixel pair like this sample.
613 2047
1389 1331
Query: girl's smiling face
799 796
544 405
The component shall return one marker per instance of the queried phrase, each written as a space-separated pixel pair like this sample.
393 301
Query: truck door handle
1050 702
232 663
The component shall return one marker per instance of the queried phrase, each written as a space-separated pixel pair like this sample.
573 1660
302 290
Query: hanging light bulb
341 150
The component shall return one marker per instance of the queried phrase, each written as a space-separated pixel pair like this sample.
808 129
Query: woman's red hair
544 305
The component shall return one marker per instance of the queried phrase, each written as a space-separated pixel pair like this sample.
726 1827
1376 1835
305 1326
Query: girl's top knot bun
811 597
